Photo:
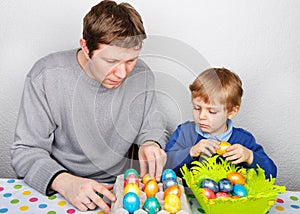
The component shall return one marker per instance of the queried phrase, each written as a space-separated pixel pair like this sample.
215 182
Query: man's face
110 65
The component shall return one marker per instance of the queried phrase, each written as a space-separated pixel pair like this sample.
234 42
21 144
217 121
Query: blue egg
211 184
239 190
225 185
168 173
131 202
169 182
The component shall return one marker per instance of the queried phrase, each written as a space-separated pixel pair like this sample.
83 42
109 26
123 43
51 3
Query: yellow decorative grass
261 196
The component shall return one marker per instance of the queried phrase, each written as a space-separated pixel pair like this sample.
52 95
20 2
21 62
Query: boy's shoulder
187 125
242 133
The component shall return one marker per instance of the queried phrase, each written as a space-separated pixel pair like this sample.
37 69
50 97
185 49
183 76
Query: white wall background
260 40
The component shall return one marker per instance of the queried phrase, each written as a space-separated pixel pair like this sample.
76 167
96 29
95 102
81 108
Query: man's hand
238 154
82 192
152 159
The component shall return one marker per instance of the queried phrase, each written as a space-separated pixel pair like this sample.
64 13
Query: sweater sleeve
153 127
31 150
178 151
259 156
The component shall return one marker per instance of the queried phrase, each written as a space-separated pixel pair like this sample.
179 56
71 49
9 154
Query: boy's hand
238 154
204 147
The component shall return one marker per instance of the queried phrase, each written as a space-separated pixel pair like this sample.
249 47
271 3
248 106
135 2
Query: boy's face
110 65
211 119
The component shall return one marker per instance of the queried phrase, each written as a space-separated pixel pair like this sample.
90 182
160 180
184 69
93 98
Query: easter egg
172 190
131 179
132 188
236 178
239 190
151 205
169 182
168 173
146 178
223 146
130 171
222 195
131 202
211 184
225 185
172 204
209 193
151 188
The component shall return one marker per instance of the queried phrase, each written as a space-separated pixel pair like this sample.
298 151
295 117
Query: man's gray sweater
68 121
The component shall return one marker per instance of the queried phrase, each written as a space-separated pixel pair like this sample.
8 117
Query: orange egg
223 146
132 188
236 178
146 178
151 188
172 204
172 190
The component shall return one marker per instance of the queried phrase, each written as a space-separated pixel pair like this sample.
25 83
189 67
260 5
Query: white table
17 197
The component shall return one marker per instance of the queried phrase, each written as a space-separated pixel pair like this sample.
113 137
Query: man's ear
234 111
84 48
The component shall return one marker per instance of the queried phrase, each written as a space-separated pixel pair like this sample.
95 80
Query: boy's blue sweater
185 136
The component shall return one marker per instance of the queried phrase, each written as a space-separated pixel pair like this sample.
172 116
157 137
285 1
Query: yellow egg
132 188
146 178
223 146
172 204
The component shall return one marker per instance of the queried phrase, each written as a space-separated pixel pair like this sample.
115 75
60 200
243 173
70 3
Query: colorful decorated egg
172 190
209 193
131 202
146 178
223 146
152 205
151 188
222 195
132 188
130 171
239 190
211 184
172 204
225 185
169 182
236 178
131 179
168 173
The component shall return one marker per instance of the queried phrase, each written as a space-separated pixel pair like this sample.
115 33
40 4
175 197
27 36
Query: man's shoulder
52 61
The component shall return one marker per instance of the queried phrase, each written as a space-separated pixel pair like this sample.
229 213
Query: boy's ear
84 48
233 112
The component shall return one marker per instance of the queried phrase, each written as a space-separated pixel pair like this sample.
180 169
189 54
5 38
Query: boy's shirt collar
221 137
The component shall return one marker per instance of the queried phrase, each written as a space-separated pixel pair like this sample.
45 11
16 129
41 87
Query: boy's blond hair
218 84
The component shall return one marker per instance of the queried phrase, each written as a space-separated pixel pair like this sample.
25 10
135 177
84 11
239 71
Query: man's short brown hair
113 24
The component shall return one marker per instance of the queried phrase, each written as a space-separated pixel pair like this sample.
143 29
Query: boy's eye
197 109
212 112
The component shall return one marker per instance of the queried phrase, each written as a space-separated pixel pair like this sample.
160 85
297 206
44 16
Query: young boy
216 98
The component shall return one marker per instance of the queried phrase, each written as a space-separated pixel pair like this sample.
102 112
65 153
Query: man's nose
120 71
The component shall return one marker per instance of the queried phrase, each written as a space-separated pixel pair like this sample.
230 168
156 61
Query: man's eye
111 61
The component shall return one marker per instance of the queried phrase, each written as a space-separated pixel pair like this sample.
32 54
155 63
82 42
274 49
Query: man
82 110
